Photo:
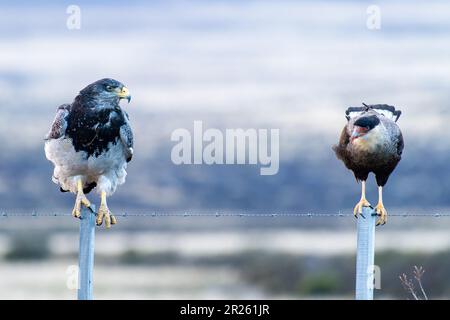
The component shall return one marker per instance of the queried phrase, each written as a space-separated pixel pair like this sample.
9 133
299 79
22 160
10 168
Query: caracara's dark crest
383 109
371 142
368 122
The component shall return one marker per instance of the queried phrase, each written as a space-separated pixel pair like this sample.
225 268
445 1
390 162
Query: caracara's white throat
377 151
371 140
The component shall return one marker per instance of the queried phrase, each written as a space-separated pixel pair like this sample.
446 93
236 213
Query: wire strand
219 214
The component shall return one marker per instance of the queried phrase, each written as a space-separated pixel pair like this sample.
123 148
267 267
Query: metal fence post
365 255
86 254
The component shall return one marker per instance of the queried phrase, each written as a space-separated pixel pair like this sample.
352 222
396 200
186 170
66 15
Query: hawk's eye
109 88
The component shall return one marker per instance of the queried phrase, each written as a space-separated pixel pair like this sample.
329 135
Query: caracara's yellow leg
80 200
363 202
104 213
379 209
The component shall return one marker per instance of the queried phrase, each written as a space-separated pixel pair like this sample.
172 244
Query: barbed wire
218 214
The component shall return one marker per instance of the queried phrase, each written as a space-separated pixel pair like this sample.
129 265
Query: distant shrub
318 284
157 258
28 246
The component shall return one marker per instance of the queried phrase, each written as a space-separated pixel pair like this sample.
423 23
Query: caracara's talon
382 213
359 207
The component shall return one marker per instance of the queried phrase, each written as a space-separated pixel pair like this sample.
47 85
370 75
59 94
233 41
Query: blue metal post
365 255
86 254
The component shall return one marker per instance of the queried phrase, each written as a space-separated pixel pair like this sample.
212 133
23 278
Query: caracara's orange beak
358 132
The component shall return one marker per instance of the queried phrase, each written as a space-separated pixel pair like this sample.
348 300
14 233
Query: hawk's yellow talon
104 214
76 212
90 142
107 220
81 199
99 219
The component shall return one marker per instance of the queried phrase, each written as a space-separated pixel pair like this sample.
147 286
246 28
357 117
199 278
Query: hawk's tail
86 190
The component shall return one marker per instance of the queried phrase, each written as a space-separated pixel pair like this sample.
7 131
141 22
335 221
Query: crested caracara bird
371 142
90 143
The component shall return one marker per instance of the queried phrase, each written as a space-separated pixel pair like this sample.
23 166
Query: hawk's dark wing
59 125
126 136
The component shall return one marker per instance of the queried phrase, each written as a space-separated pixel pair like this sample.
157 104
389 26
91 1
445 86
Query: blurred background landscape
290 65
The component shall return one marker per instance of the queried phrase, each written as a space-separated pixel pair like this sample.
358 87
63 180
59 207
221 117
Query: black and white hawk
90 143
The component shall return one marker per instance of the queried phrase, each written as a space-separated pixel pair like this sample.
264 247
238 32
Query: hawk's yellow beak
123 93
